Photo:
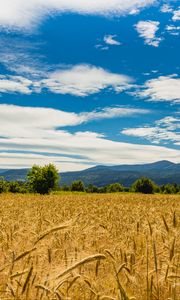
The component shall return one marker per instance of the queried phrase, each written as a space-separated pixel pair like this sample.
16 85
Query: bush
42 180
114 188
78 186
65 188
102 190
92 189
18 187
143 185
169 189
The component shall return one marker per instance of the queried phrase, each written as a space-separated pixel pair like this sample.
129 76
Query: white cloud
108 40
112 112
171 123
163 88
111 40
15 84
22 57
26 160
153 134
101 47
83 80
165 130
93 148
35 122
26 14
134 11
166 8
173 30
176 15
147 30
79 80
34 130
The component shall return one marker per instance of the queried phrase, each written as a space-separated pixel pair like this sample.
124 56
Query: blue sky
86 82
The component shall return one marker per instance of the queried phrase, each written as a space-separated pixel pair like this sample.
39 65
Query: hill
160 172
14 174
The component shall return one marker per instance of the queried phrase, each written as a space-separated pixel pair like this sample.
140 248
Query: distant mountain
2 171
160 172
14 174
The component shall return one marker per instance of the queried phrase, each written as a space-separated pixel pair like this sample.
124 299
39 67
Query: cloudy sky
88 82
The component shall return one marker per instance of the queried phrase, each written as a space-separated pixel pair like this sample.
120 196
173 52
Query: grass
90 247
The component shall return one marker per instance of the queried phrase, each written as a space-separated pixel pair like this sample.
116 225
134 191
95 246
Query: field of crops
90 247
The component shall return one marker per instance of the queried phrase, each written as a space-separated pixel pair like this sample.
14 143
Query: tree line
142 185
44 180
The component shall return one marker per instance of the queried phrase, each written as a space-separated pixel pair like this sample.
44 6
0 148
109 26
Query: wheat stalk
82 262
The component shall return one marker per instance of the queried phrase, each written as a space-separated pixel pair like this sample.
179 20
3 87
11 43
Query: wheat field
90 247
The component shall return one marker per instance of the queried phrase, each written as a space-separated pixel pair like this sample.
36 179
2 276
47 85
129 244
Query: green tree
143 185
78 186
43 180
3 185
114 188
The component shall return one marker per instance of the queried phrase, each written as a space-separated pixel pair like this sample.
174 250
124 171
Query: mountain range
161 172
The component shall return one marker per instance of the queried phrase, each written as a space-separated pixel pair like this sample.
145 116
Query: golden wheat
90 247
